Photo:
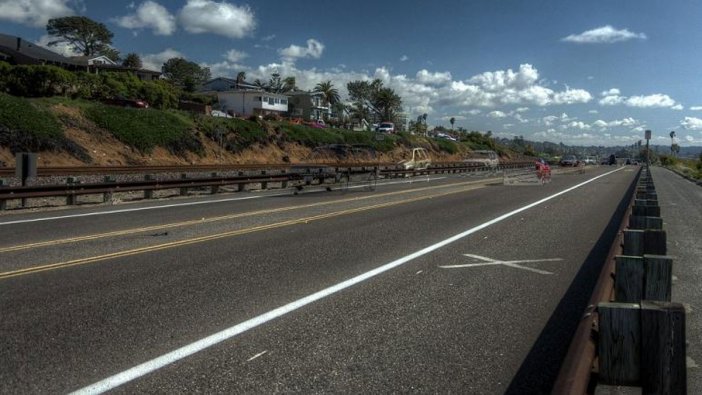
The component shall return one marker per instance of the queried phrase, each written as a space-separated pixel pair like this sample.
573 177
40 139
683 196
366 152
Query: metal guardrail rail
305 174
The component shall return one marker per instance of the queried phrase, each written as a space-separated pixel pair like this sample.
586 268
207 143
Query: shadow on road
539 369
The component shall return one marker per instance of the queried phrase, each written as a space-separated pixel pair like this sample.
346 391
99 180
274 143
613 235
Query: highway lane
681 210
418 326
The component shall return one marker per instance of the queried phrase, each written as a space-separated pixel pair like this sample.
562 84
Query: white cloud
691 123
522 109
34 13
603 35
426 77
593 112
313 49
696 108
613 97
474 111
571 96
496 114
655 100
235 56
268 37
155 61
150 15
505 87
222 18
62 48
404 58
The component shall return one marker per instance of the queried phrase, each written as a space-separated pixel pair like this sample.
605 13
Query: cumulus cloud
613 97
505 87
695 108
35 13
221 18
235 56
149 15
427 77
603 35
313 49
496 114
691 123
155 61
404 58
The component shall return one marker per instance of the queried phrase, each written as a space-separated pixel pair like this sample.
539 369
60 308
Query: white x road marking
514 264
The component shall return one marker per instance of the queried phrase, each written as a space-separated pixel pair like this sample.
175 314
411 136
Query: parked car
386 127
569 160
485 158
446 137
612 160
419 160
124 102
589 160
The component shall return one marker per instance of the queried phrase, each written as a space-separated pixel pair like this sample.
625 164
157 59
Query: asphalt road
681 210
448 285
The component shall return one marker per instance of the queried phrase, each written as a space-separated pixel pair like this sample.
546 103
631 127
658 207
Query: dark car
612 160
569 160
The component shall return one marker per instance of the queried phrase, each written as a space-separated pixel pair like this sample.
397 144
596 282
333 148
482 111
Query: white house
244 103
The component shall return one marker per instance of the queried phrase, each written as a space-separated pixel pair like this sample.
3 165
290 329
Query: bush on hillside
39 80
25 127
145 129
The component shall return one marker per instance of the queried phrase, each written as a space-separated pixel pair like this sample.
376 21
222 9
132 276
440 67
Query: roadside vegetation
690 168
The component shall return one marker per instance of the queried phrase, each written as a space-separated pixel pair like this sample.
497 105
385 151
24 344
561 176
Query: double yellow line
60 265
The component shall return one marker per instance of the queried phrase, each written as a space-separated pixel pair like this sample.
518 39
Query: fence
631 334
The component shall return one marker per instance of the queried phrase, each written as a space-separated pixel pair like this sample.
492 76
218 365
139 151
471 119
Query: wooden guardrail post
241 186
264 184
619 344
284 183
107 196
214 188
183 190
663 358
71 198
148 193
3 202
649 241
643 278
643 222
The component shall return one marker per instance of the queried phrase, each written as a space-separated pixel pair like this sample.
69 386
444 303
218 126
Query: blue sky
577 72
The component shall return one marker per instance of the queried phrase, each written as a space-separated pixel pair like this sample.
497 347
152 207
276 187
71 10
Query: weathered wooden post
183 190
264 184
148 192
214 188
107 196
71 198
619 345
663 358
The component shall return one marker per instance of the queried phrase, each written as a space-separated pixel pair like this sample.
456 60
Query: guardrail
631 334
302 175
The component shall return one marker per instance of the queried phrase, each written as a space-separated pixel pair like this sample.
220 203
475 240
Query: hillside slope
68 132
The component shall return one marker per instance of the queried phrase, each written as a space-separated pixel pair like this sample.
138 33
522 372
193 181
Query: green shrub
144 129
39 80
234 134
26 127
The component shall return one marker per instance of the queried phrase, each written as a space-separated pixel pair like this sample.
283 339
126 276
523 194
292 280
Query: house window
283 101
271 101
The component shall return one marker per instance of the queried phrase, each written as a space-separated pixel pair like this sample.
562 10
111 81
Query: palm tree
452 120
331 94
240 78
260 84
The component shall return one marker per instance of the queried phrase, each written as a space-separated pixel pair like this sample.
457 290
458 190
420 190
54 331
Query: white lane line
226 334
256 356
128 210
